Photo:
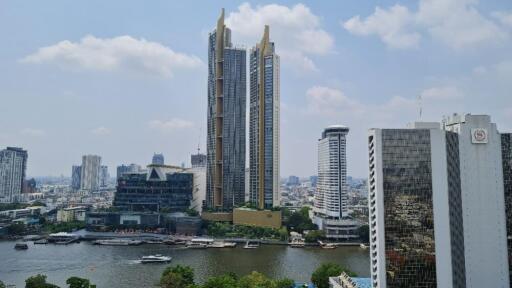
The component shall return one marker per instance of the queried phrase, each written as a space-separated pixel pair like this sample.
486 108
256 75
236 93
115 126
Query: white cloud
101 131
296 31
504 17
170 125
390 25
110 54
442 93
33 132
456 23
329 101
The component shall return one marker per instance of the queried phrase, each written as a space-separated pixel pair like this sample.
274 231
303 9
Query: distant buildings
13 166
90 172
293 181
161 189
437 217
313 180
76 172
198 160
132 168
104 176
226 121
264 124
158 159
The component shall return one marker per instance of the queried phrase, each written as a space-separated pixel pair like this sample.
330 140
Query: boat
362 246
199 243
63 238
153 241
117 242
297 243
41 241
155 259
222 244
252 245
328 246
175 242
21 246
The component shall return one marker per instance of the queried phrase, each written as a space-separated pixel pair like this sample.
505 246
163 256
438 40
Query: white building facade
90 172
13 164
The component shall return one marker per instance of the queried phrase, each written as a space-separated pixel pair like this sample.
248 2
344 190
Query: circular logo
480 135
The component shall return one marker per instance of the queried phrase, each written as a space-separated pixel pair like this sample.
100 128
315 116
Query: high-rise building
173 187
90 172
13 166
104 176
485 235
132 168
264 124
76 172
506 155
437 215
293 180
198 160
158 159
330 204
314 180
331 192
225 177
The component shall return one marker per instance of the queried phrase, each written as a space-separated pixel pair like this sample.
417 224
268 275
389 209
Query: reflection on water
116 266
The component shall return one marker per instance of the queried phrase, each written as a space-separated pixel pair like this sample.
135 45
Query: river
117 266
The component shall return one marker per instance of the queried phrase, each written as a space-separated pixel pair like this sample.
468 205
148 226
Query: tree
38 281
16 228
255 280
300 221
76 282
223 281
285 283
364 233
321 275
2 285
177 277
314 236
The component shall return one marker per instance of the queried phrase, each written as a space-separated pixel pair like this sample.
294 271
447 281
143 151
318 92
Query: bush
177 277
38 281
314 236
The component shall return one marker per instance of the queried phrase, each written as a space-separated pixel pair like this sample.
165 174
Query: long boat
117 242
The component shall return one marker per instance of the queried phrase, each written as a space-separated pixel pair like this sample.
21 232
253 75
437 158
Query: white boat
63 238
222 244
251 245
297 243
199 243
362 246
117 242
155 259
328 246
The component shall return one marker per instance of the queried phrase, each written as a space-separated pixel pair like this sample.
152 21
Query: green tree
16 228
255 280
299 221
314 236
284 283
364 233
38 281
321 275
2 285
223 281
76 282
177 277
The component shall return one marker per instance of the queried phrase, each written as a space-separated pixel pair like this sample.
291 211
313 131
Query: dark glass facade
506 156
408 208
455 210
135 193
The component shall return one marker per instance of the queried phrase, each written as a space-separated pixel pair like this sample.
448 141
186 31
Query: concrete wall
217 216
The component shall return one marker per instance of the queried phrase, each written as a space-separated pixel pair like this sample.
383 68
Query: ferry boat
199 243
41 241
155 259
362 246
63 238
117 242
175 242
297 243
251 245
222 244
21 246
328 246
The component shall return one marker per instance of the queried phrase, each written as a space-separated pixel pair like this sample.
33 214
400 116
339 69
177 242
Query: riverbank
117 266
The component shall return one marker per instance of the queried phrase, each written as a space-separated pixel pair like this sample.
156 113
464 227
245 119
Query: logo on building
479 136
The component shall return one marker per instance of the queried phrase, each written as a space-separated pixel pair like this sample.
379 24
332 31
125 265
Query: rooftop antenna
420 106
199 140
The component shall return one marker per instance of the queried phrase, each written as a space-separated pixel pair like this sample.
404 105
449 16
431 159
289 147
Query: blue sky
124 79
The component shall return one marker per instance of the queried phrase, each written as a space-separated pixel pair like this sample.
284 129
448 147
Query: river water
117 266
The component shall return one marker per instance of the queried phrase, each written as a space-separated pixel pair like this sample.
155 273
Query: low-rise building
71 214
345 281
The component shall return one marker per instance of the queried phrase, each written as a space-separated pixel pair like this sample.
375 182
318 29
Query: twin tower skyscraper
226 139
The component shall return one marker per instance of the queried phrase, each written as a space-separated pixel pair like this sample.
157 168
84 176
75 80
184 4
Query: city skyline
337 68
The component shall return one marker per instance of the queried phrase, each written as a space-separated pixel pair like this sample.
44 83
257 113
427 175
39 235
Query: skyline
353 73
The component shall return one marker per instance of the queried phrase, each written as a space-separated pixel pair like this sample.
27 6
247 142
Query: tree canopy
321 275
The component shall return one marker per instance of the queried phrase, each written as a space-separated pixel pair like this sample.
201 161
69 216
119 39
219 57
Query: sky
125 79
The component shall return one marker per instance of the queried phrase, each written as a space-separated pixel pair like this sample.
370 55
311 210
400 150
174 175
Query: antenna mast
420 106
